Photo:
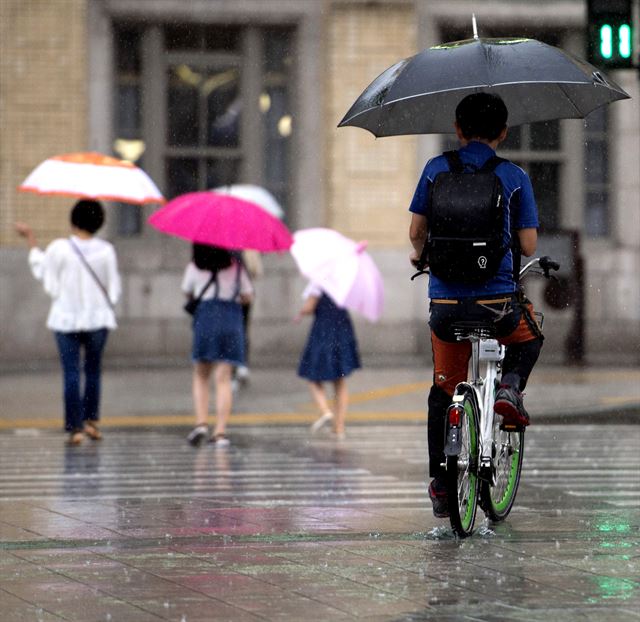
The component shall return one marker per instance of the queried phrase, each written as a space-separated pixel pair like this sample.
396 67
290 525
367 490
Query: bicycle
483 457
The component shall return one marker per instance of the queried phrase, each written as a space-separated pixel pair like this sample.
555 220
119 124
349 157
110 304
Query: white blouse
78 302
195 280
312 289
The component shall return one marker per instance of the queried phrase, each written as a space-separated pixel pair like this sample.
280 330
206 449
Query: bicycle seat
481 330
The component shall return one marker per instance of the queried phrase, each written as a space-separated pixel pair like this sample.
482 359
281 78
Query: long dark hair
211 258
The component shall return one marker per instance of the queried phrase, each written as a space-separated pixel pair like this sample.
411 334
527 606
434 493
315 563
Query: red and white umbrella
91 175
342 268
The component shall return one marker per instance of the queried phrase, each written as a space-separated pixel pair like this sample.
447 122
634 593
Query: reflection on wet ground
284 527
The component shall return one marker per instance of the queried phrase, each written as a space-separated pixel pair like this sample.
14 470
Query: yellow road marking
392 391
620 399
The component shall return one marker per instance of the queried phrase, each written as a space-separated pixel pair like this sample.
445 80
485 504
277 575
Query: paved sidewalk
283 527
162 396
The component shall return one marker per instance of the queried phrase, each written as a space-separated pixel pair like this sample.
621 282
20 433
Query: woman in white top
80 273
218 279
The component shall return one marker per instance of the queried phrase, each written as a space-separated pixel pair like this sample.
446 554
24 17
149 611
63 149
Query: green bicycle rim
467 520
500 505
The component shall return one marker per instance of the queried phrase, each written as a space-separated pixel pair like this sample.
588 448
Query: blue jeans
81 406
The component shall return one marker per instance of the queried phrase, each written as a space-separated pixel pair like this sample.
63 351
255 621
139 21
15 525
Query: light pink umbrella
221 220
342 268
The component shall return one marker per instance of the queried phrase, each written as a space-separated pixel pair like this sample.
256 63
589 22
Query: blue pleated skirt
218 334
331 351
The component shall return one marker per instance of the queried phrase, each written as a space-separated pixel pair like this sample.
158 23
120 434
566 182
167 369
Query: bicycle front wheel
499 495
462 471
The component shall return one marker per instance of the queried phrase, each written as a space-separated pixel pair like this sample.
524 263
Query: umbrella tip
362 245
475 25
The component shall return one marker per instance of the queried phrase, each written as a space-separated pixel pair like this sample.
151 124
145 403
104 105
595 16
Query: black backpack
465 221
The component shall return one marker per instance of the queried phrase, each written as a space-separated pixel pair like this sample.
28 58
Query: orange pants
451 359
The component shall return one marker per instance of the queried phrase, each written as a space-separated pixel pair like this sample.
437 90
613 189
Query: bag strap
241 265
490 165
214 278
454 161
86 264
456 165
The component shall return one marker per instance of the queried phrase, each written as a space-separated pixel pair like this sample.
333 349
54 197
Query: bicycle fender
454 444
455 416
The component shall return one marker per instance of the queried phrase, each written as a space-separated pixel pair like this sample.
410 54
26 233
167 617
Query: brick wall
43 104
371 181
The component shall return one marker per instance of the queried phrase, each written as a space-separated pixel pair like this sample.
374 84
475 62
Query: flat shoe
92 431
220 440
197 435
321 422
75 438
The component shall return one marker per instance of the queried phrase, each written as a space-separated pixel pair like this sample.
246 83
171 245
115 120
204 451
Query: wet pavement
284 526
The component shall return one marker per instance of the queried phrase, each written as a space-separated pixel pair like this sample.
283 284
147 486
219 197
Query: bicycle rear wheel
462 470
507 451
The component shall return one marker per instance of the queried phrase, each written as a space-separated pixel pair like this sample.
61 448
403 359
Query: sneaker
197 435
438 496
320 422
220 440
242 374
509 405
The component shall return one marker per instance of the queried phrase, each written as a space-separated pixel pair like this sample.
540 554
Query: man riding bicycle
481 125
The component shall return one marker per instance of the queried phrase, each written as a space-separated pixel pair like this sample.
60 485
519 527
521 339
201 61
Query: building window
128 143
596 213
536 148
225 110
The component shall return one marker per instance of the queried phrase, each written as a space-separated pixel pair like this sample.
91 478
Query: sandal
92 431
75 438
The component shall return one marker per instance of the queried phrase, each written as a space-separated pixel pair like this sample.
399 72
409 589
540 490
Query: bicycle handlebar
545 263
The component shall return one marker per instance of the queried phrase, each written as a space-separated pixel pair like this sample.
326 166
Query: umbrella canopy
254 194
342 268
537 82
92 175
221 220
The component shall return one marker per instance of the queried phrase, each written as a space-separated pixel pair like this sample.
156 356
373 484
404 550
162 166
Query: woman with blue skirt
330 355
219 281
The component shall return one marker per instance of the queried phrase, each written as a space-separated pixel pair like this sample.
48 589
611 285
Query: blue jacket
520 210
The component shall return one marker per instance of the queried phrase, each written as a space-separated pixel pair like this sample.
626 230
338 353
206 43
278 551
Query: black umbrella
538 82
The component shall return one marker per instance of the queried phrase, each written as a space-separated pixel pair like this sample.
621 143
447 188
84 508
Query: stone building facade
122 76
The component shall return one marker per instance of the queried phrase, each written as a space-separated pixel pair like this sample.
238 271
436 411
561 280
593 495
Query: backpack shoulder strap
490 165
454 161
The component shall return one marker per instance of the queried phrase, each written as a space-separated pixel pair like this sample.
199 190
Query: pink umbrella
342 268
221 220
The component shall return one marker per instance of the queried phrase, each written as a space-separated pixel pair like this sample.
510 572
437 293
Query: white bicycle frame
484 349
491 352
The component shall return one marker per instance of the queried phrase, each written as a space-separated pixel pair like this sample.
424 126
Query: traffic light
610 32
